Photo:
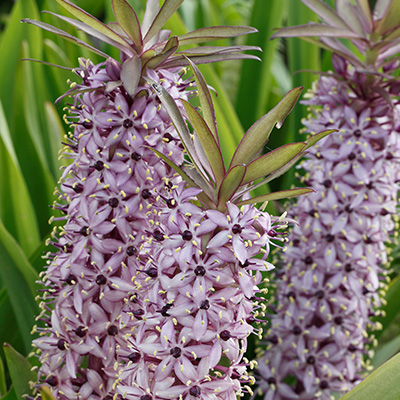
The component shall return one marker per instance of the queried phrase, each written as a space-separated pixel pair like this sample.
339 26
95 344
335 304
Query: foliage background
31 129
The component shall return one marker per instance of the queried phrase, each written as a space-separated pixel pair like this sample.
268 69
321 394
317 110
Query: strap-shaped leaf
319 30
177 120
206 103
129 22
283 194
169 49
232 181
258 134
201 196
317 137
65 35
326 13
94 32
214 33
131 73
167 9
206 50
353 16
270 162
207 140
180 61
92 22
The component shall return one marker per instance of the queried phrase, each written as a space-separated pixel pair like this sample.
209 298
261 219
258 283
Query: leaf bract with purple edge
169 49
131 73
128 21
313 29
283 194
258 134
230 184
270 162
92 22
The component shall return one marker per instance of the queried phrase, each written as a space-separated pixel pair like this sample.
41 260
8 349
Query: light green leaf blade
313 29
166 11
169 49
270 162
129 22
46 393
230 184
283 194
381 384
20 371
207 140
3 387
257 135
386 351
10 395
318 136
92 22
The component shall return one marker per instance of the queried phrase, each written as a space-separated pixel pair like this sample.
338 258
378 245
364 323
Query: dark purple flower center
158 235
127 123
245 264
78 188
273 339
327 183
187 235
81 331
112 330
311 360
136 156
352 348
52 380
330 238
291 294
138 313
131 251
113 202
67 248
250 320
357 133
145 397
176 352
348 208
168 137
319 294
195 391
384 212
367 240
324 385
348 267
389 156
99 165
338 320
61 344
199 271
84 231
351 156
134 357
308 260
225 335
237 229
164 311
204 305
152 272
171 203
87 124
71 280
146 194
271 380
296 330
101 280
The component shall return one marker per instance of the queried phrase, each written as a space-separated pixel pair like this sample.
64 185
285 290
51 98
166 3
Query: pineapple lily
332 279
149 291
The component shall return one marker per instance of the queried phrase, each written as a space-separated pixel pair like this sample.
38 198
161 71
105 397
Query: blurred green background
31 126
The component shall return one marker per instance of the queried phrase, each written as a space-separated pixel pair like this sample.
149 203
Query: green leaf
166 11
206 102
207 140
19 277
257 135
318 136
20 371
283 194
312 29
64 34
213 33
169 49
270 162
230 184
386 351
131 73
129 22
382 384
10 395
93 22
326 13
3 387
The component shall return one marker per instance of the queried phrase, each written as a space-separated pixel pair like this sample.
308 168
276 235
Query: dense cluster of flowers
328 288
149 296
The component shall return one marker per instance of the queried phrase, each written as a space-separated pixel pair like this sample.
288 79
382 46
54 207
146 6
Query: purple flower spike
330 286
